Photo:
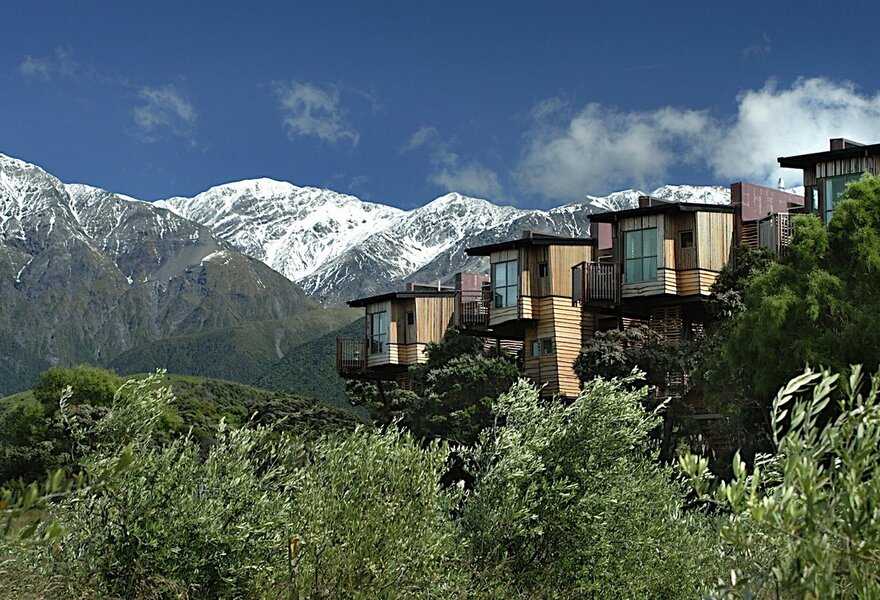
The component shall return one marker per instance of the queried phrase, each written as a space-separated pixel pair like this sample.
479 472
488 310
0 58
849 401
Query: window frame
630 261
693 243
831 199
379 339
507 295
544 344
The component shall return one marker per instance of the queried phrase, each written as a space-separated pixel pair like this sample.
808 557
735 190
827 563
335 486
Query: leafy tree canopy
91 385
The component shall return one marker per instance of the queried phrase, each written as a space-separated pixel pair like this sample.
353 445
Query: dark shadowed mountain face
86 274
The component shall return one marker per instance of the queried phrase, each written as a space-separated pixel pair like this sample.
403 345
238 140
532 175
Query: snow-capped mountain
293 229
86 274
339 247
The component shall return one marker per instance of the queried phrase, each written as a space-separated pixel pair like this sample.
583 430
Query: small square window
547 346
536 348
542 269
410 318
686 239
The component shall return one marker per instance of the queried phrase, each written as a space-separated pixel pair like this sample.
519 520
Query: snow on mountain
292 229
338 247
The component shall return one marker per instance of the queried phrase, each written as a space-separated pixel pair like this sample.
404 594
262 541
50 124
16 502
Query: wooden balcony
472 309
595 283
351 355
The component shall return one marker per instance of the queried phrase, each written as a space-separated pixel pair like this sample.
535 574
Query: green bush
804 523
569 502
91 385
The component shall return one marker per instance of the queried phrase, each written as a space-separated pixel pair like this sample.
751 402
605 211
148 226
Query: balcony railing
595 282
472 308
351 355
775 232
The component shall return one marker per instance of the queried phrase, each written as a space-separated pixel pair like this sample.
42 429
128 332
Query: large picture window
641 255
834 187
378 332
504 282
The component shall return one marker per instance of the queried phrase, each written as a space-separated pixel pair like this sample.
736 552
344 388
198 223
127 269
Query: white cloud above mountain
449 171
164 111
598 148
312 111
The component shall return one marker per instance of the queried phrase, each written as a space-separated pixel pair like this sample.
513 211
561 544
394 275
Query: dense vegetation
361 514
34 436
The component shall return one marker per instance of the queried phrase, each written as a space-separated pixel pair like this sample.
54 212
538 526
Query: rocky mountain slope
86 274
338 247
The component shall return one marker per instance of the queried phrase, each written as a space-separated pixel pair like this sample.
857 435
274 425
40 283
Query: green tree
569 501
615 353
816 306
354 514
452 391
805 522
90 385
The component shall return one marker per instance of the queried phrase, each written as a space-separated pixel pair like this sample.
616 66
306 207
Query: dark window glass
504 282
378 332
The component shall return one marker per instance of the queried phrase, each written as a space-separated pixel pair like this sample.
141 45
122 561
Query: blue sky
526 103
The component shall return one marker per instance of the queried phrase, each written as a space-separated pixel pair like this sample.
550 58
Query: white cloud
599 149
59 65
449 171
312 111
164 111
602 148
773 122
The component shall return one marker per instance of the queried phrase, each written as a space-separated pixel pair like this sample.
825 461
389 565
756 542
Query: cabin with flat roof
661 254
827 173
528 299
398 326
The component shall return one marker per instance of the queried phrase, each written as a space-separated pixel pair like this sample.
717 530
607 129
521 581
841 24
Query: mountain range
338 247
235 280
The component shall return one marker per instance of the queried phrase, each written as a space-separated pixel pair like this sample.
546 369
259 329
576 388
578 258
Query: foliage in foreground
452 393
570 501
806 522
567 501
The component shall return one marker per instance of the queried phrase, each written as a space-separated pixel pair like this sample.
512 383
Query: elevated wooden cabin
827 173
398 327
661 254
528 298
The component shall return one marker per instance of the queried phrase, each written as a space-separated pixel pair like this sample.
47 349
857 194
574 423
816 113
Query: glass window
542 269
547 346
378 332
504 280
641 255
410 318
536 348
834 187
687 238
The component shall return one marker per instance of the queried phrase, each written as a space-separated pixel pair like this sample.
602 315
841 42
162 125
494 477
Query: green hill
310 368
31 443
245 353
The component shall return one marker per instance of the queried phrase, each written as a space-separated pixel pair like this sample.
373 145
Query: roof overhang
527 242
671 207
806 161
360 302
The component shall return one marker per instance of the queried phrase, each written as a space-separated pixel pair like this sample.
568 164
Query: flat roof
359 302
805 161
533 239
613 216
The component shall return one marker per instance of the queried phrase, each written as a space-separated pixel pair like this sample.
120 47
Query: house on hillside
825 174
656 265
398 326
528 301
